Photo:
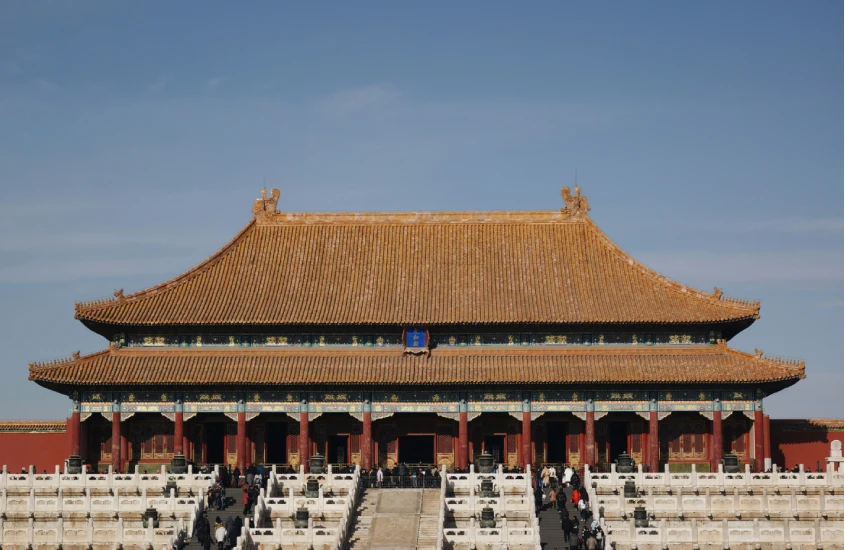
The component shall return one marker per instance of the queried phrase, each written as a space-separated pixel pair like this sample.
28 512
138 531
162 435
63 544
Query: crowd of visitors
584 531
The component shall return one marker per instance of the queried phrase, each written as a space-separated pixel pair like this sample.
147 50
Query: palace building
425 337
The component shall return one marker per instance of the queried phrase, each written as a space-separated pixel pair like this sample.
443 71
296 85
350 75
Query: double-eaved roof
488 365
426 268
417 269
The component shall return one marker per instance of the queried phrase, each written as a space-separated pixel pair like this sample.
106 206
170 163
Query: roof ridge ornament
576 205
717 292
265 206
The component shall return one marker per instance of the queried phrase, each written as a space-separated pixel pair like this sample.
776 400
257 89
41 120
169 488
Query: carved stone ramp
395 525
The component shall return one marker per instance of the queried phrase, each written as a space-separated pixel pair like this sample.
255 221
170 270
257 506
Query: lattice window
196 441
148 446
135 442
573 443
168 443
293 440
539 444
511 442
260 447
699 441
636 442
675 438
444 443
355 443
687 427
601 442
231 438
392 446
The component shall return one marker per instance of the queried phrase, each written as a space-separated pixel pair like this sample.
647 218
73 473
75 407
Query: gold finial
575 205
266 206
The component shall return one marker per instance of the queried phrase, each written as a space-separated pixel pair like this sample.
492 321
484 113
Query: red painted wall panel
43 450
807 446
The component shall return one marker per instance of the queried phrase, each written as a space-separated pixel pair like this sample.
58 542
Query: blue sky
708 137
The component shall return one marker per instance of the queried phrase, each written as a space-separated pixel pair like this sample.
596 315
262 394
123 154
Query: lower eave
652 365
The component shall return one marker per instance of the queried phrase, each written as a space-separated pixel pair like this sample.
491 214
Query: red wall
801 442
43 450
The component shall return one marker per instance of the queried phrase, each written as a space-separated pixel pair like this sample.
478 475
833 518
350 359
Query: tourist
538 499
566 525
576 496
247 499
379 478
582 507
552 476
219 534
575 480
567 476
545 475
553 499
235 530
236 476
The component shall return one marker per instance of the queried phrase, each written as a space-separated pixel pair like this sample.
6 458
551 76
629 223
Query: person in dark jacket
566 527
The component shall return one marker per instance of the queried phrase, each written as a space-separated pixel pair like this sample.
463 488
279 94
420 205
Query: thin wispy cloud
799 225
158 86
76 241
41 272
357 99
213 84
704 269
45 85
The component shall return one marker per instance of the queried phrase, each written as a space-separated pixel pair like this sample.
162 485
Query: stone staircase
233 508
551 535
429 520
362 520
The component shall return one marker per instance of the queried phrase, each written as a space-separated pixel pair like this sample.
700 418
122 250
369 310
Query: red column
124 447
367 439
526 439
240 441
463 439
179 432
716 451
304 439
590 446
73 429
758 440
767 438
653 443
115 440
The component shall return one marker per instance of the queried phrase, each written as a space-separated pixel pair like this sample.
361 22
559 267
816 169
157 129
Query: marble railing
321 534
732 503
510 481
720 479
683 534
525 533
106 480
88 533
